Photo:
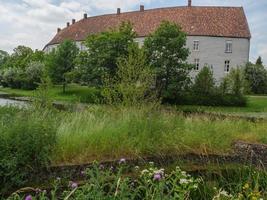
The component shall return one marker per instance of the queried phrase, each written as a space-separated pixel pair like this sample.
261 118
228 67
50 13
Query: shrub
26 141
33 75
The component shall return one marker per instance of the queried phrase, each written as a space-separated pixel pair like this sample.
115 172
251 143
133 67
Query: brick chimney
189 3
73 21
58 30
118 11
142 8
85 15
68 24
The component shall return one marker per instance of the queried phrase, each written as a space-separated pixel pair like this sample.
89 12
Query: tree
256 76
104 49
133 80
167 54
236 82
3 57
259 61
204 82
61 62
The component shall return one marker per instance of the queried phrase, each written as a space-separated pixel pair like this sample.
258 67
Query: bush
23 79
26 141
205 92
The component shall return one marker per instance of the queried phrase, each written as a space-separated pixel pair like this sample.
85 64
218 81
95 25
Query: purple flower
122 161
82 173
157 177
28 197
73 185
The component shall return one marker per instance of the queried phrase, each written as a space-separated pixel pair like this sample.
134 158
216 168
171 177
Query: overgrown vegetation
26 142
153 183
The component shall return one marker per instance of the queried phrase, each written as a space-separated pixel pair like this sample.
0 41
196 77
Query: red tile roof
195 21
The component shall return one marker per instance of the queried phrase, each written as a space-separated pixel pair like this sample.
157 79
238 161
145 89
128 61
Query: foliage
256 75
132 83
61 62
259 61
204 83
26 141
167 54
236 82
103 51
3 57
28 78
110 183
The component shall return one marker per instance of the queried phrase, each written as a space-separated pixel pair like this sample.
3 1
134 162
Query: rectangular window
196 45
196 62
227 66
228 46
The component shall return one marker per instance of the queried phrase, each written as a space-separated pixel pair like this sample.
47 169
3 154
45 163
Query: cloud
34 22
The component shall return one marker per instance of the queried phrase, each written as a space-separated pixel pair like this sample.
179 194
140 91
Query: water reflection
10 102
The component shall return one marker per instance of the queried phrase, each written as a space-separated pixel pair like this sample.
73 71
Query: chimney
85 15
58 30
68 24
73 21
189 3
142 8
118 11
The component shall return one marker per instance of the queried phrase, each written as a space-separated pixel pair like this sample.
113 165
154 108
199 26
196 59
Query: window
228 46
196 45
227 66
196 61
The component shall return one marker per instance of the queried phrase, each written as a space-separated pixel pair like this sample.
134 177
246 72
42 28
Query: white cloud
34 22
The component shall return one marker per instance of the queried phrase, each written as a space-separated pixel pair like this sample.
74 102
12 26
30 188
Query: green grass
106 133
257 106
74 93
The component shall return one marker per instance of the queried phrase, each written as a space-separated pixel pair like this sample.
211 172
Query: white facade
219 53
212 51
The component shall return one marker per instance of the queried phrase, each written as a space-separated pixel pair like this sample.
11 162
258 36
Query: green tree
256 76
167 54
3 57
133 80
104 49
259 61
61 62
236 82
204 82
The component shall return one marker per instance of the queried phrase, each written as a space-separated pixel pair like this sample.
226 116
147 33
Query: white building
218 37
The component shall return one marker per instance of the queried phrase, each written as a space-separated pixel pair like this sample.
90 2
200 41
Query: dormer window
196 45
228 46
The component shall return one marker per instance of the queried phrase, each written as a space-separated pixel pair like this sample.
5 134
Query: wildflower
58 178
157 177
137 168
246 186
183 181
151 163
145 171
38 190
82 173
101 167
73 185
29 197
122 161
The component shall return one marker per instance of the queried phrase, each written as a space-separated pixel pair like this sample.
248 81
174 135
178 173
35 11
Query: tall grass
102 133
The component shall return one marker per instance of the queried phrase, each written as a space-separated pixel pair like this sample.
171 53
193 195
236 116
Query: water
10 102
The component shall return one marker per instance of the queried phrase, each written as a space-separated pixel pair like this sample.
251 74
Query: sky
33 23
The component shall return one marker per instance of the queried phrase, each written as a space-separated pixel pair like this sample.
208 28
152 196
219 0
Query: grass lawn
74 93
257 106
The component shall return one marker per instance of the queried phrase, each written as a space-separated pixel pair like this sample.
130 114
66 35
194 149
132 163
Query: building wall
211 52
